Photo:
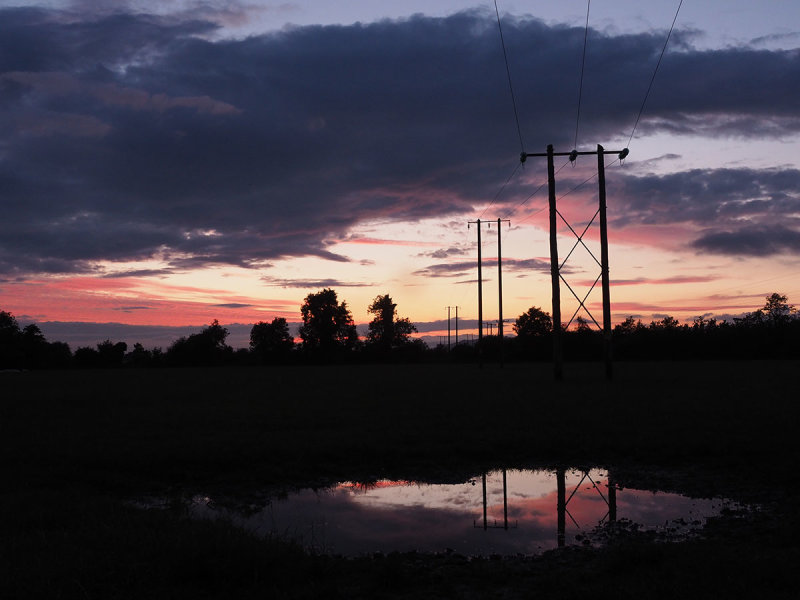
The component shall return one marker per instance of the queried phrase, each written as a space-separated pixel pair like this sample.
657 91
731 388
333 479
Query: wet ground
504 512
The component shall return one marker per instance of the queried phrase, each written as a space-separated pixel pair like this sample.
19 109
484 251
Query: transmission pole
500 287
558 359
601 178
555 268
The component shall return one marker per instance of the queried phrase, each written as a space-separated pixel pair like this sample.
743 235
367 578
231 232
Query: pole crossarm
621 153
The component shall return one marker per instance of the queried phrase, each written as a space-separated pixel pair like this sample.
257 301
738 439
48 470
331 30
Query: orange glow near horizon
647 282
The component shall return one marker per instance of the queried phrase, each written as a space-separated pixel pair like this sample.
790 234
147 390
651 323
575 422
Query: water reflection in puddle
505 513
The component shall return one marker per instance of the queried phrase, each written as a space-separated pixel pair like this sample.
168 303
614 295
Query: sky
165 164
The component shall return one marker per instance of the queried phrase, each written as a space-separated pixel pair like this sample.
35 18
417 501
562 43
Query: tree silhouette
271 341
27 347
628 327
205 348
386 331
328 326
11 354
777 310
534 322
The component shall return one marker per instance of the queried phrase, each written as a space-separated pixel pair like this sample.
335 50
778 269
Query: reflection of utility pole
561 506
484 499
555 268
612 499
562 501
505 506
505 501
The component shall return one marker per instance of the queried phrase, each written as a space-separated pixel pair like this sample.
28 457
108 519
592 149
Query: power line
536 191
583 65
500 191
653 78
508 73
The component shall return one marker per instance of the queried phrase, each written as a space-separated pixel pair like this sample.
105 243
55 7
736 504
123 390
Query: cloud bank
128 136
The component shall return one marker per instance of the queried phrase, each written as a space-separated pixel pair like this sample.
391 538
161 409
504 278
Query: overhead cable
508 73
652 79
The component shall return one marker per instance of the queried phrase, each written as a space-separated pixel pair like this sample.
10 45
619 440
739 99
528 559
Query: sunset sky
164 164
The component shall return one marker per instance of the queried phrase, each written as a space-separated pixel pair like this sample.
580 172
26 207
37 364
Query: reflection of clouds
349 519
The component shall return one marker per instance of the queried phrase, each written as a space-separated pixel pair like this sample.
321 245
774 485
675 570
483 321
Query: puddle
501 513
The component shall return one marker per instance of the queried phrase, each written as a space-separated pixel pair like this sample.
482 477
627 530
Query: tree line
328 335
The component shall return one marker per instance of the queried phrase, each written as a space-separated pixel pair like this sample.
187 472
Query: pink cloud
136 302
370 241
678 279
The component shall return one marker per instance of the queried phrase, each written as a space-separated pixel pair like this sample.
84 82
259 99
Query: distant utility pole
555 268
480 287
448 329
456 326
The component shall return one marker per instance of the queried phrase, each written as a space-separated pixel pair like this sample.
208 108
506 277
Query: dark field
76 445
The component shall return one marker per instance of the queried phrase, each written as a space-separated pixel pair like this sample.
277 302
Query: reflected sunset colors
354 519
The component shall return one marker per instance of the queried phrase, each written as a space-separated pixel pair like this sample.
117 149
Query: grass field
77 444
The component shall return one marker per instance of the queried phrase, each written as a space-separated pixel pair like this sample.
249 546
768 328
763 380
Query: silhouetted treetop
533 322
271 340
327 324
205 348
386 331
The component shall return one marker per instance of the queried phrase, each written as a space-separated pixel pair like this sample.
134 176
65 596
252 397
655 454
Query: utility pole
601 178
480 291
555 268
448 329
558 358
500 287
456 327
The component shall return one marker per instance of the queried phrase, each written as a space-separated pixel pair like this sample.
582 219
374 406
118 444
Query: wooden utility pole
456 326
480 293
558 359
601 178
500 288
448 329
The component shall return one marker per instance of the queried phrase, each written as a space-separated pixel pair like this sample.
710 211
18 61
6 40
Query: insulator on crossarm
522 157
623 154
573 156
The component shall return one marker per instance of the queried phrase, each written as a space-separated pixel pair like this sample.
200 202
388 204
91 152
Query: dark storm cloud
751 241
128 136
747 212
